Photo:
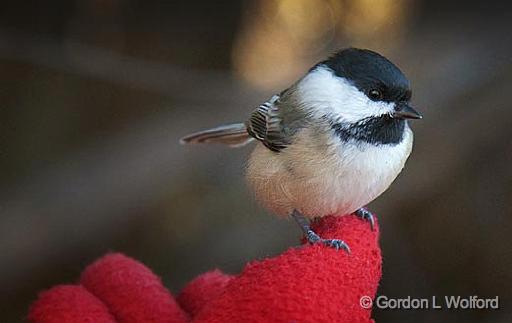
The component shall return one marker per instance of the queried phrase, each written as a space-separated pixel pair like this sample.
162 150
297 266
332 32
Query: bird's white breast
325 175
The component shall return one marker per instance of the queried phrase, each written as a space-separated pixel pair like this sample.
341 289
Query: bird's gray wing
266 125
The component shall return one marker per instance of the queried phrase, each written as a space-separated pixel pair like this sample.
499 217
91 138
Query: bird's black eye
375 94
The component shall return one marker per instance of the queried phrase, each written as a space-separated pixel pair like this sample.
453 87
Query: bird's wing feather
265 125
233 135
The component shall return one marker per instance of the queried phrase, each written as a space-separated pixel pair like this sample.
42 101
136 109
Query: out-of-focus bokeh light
375 21
272 46
279 42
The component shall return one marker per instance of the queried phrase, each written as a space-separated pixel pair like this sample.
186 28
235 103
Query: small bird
329 144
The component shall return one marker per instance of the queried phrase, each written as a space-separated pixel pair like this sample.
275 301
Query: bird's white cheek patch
323 93
380 108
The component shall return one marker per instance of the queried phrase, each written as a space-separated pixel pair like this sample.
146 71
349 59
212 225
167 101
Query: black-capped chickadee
331 143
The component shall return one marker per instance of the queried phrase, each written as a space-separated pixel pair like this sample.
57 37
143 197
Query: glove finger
202 290
69 304
132 292
314 283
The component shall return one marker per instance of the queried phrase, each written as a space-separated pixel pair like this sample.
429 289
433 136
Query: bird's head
359 91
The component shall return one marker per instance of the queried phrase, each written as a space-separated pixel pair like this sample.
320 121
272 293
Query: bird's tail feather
233 135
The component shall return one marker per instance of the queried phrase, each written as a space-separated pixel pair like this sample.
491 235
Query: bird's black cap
368 70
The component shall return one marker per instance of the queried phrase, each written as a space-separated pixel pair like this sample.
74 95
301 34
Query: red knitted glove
313 283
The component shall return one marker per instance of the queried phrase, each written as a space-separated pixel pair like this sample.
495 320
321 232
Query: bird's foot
337 244
366 215
313 237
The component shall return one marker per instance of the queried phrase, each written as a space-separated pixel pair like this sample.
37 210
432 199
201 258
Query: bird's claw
314 238
333 243
366 215
336 244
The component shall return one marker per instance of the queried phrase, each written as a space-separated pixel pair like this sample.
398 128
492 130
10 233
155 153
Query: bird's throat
382 130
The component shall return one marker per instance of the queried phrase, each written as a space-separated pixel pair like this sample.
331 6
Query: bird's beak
404 111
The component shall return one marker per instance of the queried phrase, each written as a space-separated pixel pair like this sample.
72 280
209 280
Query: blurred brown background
95 94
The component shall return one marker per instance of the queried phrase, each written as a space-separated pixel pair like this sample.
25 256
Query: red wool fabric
69 303
131 291
311 283
203 290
